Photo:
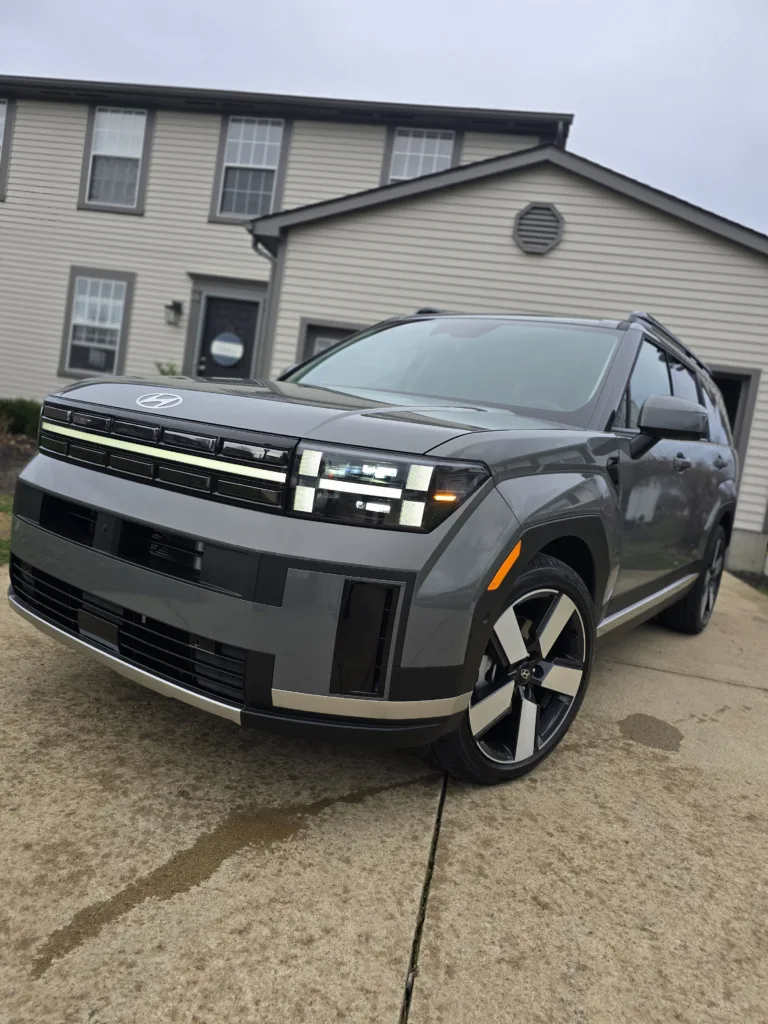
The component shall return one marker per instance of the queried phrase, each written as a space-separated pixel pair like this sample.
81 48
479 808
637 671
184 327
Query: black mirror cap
666 416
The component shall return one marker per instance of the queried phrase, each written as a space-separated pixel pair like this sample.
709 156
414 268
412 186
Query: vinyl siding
42 233
328 160
484 145
455 250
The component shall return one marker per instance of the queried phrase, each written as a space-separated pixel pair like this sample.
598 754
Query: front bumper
399 729
281 617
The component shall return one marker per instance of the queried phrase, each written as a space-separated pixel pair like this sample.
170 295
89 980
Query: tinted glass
719 428
649 377
683 382
539 367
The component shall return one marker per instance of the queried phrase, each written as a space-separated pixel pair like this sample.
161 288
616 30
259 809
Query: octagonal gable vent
538 228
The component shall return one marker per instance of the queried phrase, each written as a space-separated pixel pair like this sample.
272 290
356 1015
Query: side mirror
665 417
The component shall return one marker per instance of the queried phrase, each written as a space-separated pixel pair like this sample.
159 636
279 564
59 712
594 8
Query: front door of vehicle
656 491
228 338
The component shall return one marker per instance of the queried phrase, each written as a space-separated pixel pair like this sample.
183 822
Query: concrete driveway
159 865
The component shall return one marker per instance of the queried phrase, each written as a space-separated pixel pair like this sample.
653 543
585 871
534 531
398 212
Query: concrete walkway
159 865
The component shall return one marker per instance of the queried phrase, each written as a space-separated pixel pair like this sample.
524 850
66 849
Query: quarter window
251 158
719 429
418 151
683 381
117 152
649 377
96 324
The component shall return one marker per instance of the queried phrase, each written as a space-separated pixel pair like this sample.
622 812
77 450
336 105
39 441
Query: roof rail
645 318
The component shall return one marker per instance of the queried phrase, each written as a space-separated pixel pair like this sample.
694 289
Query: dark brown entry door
229 334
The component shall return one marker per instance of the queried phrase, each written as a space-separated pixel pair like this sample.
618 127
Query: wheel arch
580 542
726 519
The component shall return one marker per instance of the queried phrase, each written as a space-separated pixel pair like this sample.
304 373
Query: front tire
531 680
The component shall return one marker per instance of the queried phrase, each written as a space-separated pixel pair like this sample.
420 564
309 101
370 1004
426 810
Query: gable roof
550 126
271 229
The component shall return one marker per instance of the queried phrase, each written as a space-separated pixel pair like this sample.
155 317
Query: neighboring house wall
484 145
328 160
42 233
454 250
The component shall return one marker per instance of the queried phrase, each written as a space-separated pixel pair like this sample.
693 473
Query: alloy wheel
712 577
529 677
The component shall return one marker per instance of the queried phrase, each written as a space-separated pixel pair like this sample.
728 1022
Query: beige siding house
448 242
122 212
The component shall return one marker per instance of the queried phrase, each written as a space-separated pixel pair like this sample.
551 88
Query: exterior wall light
173 313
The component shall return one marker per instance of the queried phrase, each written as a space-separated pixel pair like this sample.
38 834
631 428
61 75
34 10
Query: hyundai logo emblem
159 400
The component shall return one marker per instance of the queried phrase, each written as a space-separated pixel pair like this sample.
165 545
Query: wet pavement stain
651 732
252 827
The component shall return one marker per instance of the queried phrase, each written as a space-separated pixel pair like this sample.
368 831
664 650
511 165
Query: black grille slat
183 658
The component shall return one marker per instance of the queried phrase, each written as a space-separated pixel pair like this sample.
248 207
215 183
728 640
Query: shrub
19 416
167 369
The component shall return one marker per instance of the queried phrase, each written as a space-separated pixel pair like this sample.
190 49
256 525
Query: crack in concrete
685 675
413 964
252 827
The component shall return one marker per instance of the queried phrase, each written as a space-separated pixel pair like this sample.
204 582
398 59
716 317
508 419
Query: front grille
250 470
191 661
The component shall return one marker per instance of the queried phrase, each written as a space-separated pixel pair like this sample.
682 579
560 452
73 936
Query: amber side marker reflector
506 565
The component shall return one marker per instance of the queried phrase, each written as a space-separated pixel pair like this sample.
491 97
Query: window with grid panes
116 154
98 308
251 158
418 151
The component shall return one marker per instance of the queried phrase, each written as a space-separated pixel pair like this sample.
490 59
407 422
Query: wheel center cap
525 674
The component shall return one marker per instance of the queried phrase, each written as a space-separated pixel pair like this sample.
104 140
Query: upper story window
97 320
116 157
247 180
7 108
418 151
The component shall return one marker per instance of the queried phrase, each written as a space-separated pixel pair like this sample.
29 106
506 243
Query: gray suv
414 537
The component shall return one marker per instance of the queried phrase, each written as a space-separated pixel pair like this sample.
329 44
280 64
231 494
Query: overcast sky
673 92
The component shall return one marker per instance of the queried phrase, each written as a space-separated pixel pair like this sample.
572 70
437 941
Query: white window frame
401 132
225 166
113 277
91 153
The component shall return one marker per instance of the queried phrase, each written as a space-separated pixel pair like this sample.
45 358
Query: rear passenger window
649 377
719 428
683 382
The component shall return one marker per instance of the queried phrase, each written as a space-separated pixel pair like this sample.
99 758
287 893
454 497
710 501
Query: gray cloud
672 92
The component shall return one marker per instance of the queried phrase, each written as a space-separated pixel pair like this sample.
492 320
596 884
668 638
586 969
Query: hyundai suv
414 537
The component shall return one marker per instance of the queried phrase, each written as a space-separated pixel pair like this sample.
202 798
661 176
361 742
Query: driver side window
649 377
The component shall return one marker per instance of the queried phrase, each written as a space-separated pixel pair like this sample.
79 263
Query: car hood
395 422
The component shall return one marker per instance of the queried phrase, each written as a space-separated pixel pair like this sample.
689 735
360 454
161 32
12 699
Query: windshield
539 367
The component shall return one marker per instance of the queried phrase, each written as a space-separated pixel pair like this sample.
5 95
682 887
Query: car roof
527 317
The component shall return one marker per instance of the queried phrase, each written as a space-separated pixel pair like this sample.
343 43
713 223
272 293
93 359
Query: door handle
681 463
720 462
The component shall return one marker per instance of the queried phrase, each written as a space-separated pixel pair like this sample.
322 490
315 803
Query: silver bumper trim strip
647 604
361 707
136 675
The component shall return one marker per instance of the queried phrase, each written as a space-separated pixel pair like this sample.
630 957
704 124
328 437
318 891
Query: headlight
379 489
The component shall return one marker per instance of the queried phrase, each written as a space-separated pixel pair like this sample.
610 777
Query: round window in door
227 349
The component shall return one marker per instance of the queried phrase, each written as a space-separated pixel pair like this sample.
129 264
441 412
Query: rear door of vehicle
655 490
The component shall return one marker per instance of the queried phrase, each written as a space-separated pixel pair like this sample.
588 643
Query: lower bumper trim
362 707
136 675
